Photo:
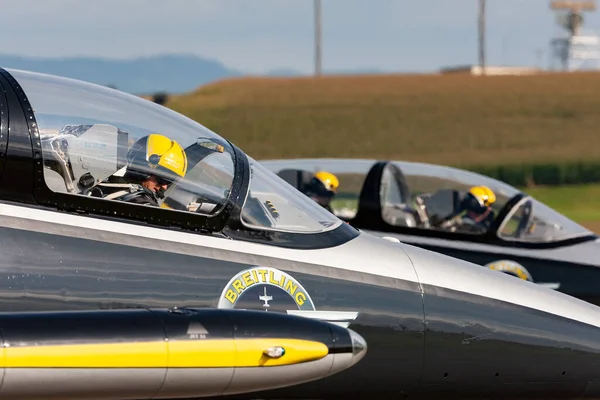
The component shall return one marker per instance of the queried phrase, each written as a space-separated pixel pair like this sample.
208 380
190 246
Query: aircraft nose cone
359 347
348 348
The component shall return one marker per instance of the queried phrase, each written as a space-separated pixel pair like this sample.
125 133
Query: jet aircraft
420 204
228 236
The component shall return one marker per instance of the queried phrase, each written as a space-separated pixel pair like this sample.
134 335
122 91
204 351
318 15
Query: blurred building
490 70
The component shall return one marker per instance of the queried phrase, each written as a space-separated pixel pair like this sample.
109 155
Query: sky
258 36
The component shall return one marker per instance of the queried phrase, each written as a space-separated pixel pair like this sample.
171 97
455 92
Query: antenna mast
318 34
481 25
574 49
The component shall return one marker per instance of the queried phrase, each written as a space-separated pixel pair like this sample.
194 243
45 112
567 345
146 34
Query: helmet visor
164 176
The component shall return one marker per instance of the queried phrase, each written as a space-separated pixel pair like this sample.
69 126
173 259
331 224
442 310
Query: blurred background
509 88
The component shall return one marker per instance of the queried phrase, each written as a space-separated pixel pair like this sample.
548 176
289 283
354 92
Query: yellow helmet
329 180
484 195
157 155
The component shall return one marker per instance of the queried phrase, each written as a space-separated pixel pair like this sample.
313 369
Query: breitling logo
269 289
271 277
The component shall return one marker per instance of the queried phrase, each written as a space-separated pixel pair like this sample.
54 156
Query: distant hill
293 73
172 73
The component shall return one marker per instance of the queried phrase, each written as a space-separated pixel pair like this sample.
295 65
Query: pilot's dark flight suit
131 193
478 219
477 223
144 196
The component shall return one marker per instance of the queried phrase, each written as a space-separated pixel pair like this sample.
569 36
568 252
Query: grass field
581 203
458 120
448 119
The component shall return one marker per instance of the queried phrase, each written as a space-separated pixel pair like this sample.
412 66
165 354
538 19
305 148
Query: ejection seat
79 157
438 207
395 197
297 178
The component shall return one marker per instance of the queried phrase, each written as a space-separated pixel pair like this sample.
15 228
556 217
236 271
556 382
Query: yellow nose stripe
212 353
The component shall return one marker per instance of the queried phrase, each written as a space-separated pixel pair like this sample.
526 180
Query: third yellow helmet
484 195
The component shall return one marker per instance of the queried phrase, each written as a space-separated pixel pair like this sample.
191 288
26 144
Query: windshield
273 204
532 221
435 197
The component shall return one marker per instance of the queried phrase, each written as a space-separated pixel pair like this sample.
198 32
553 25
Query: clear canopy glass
527 221
273 204
86 131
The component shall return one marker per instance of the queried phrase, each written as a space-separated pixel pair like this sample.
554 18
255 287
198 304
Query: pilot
153 163
476 205
322 188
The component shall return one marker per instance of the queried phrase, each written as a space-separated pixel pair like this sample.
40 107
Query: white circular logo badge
512 268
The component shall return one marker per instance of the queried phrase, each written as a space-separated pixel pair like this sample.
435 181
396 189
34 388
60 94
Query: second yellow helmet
329 180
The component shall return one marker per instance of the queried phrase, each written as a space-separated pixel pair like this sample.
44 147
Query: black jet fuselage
422 337
434 325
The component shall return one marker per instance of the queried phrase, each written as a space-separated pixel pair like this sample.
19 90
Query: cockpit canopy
407 197
86 132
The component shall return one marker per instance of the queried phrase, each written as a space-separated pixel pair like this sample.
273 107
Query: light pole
482 36
317 10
